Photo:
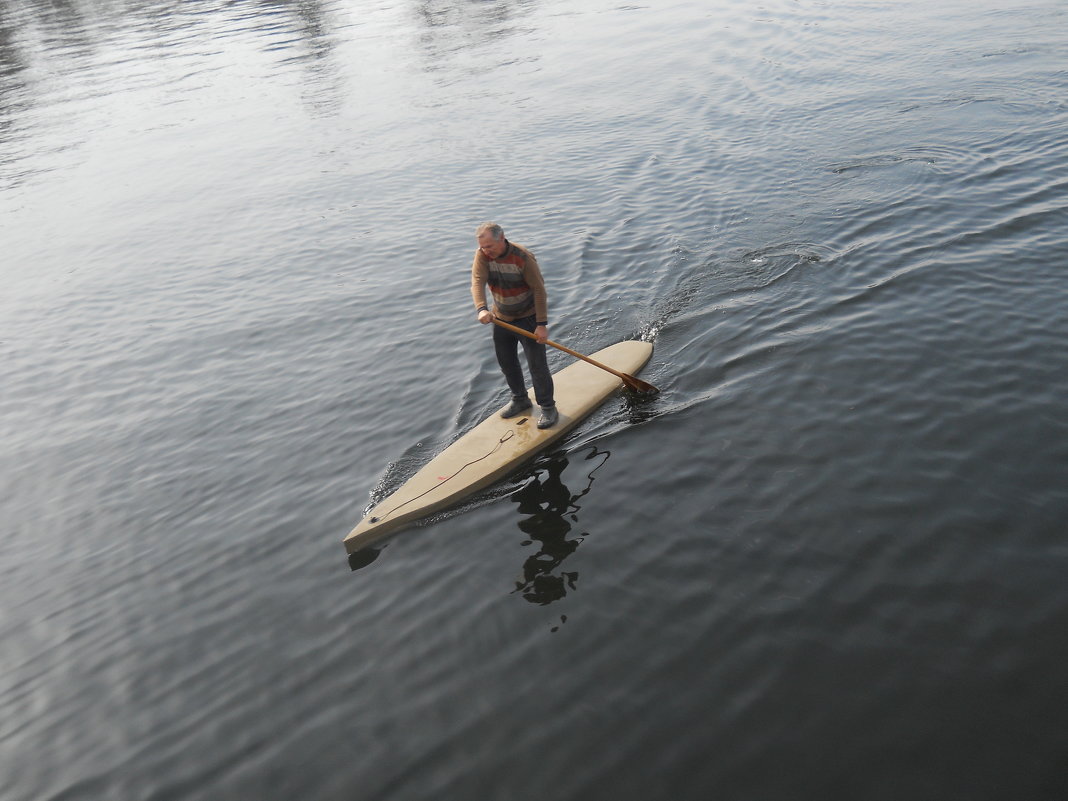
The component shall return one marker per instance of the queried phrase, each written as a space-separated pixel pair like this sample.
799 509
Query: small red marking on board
443 478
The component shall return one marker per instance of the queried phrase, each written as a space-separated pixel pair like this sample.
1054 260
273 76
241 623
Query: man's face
490 247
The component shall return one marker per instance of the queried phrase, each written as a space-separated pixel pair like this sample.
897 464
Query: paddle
631 383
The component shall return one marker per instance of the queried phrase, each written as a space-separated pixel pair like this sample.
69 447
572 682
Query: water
826 561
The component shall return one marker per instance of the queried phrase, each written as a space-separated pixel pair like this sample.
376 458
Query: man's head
491 239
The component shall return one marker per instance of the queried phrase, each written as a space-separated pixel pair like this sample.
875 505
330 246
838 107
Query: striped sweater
515 282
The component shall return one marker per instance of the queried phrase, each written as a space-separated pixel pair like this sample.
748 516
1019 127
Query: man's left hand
542 333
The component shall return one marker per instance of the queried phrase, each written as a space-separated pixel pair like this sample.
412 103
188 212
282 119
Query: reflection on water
324 83
363 557
62 62
551 509
448 34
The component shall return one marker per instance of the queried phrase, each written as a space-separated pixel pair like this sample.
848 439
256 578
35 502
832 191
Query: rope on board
507 436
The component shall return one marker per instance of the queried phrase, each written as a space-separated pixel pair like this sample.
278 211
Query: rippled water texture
827 562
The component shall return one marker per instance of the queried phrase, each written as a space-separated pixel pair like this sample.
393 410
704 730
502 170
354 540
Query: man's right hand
485 316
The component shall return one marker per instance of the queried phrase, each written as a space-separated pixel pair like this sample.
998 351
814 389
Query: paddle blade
639 386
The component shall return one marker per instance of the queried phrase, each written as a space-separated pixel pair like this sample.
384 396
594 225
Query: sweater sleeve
479 276
532 275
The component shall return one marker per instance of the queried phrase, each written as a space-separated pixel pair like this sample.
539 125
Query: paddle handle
523 332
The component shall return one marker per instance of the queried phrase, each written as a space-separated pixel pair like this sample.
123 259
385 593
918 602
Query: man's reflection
552 508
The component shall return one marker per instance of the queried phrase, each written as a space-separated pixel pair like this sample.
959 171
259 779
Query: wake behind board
496 446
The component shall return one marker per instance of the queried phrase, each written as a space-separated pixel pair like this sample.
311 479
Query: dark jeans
504 343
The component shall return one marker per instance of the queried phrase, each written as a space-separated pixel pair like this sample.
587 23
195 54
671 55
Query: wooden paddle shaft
627 379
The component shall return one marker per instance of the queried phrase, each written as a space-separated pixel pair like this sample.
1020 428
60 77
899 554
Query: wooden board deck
496 446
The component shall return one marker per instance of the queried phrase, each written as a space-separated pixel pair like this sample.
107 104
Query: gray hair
492 229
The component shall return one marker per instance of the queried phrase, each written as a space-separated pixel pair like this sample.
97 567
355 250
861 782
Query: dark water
828 561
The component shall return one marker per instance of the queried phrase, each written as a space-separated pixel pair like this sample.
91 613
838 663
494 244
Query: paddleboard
497 446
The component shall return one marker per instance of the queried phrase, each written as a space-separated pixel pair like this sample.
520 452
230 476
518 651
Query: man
519 298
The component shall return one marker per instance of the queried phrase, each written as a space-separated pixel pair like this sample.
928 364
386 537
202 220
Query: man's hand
542 333
485 316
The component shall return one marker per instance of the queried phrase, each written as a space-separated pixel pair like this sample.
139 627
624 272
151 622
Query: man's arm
479 276
532 275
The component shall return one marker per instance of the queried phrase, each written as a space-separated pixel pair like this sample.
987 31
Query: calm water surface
827 561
